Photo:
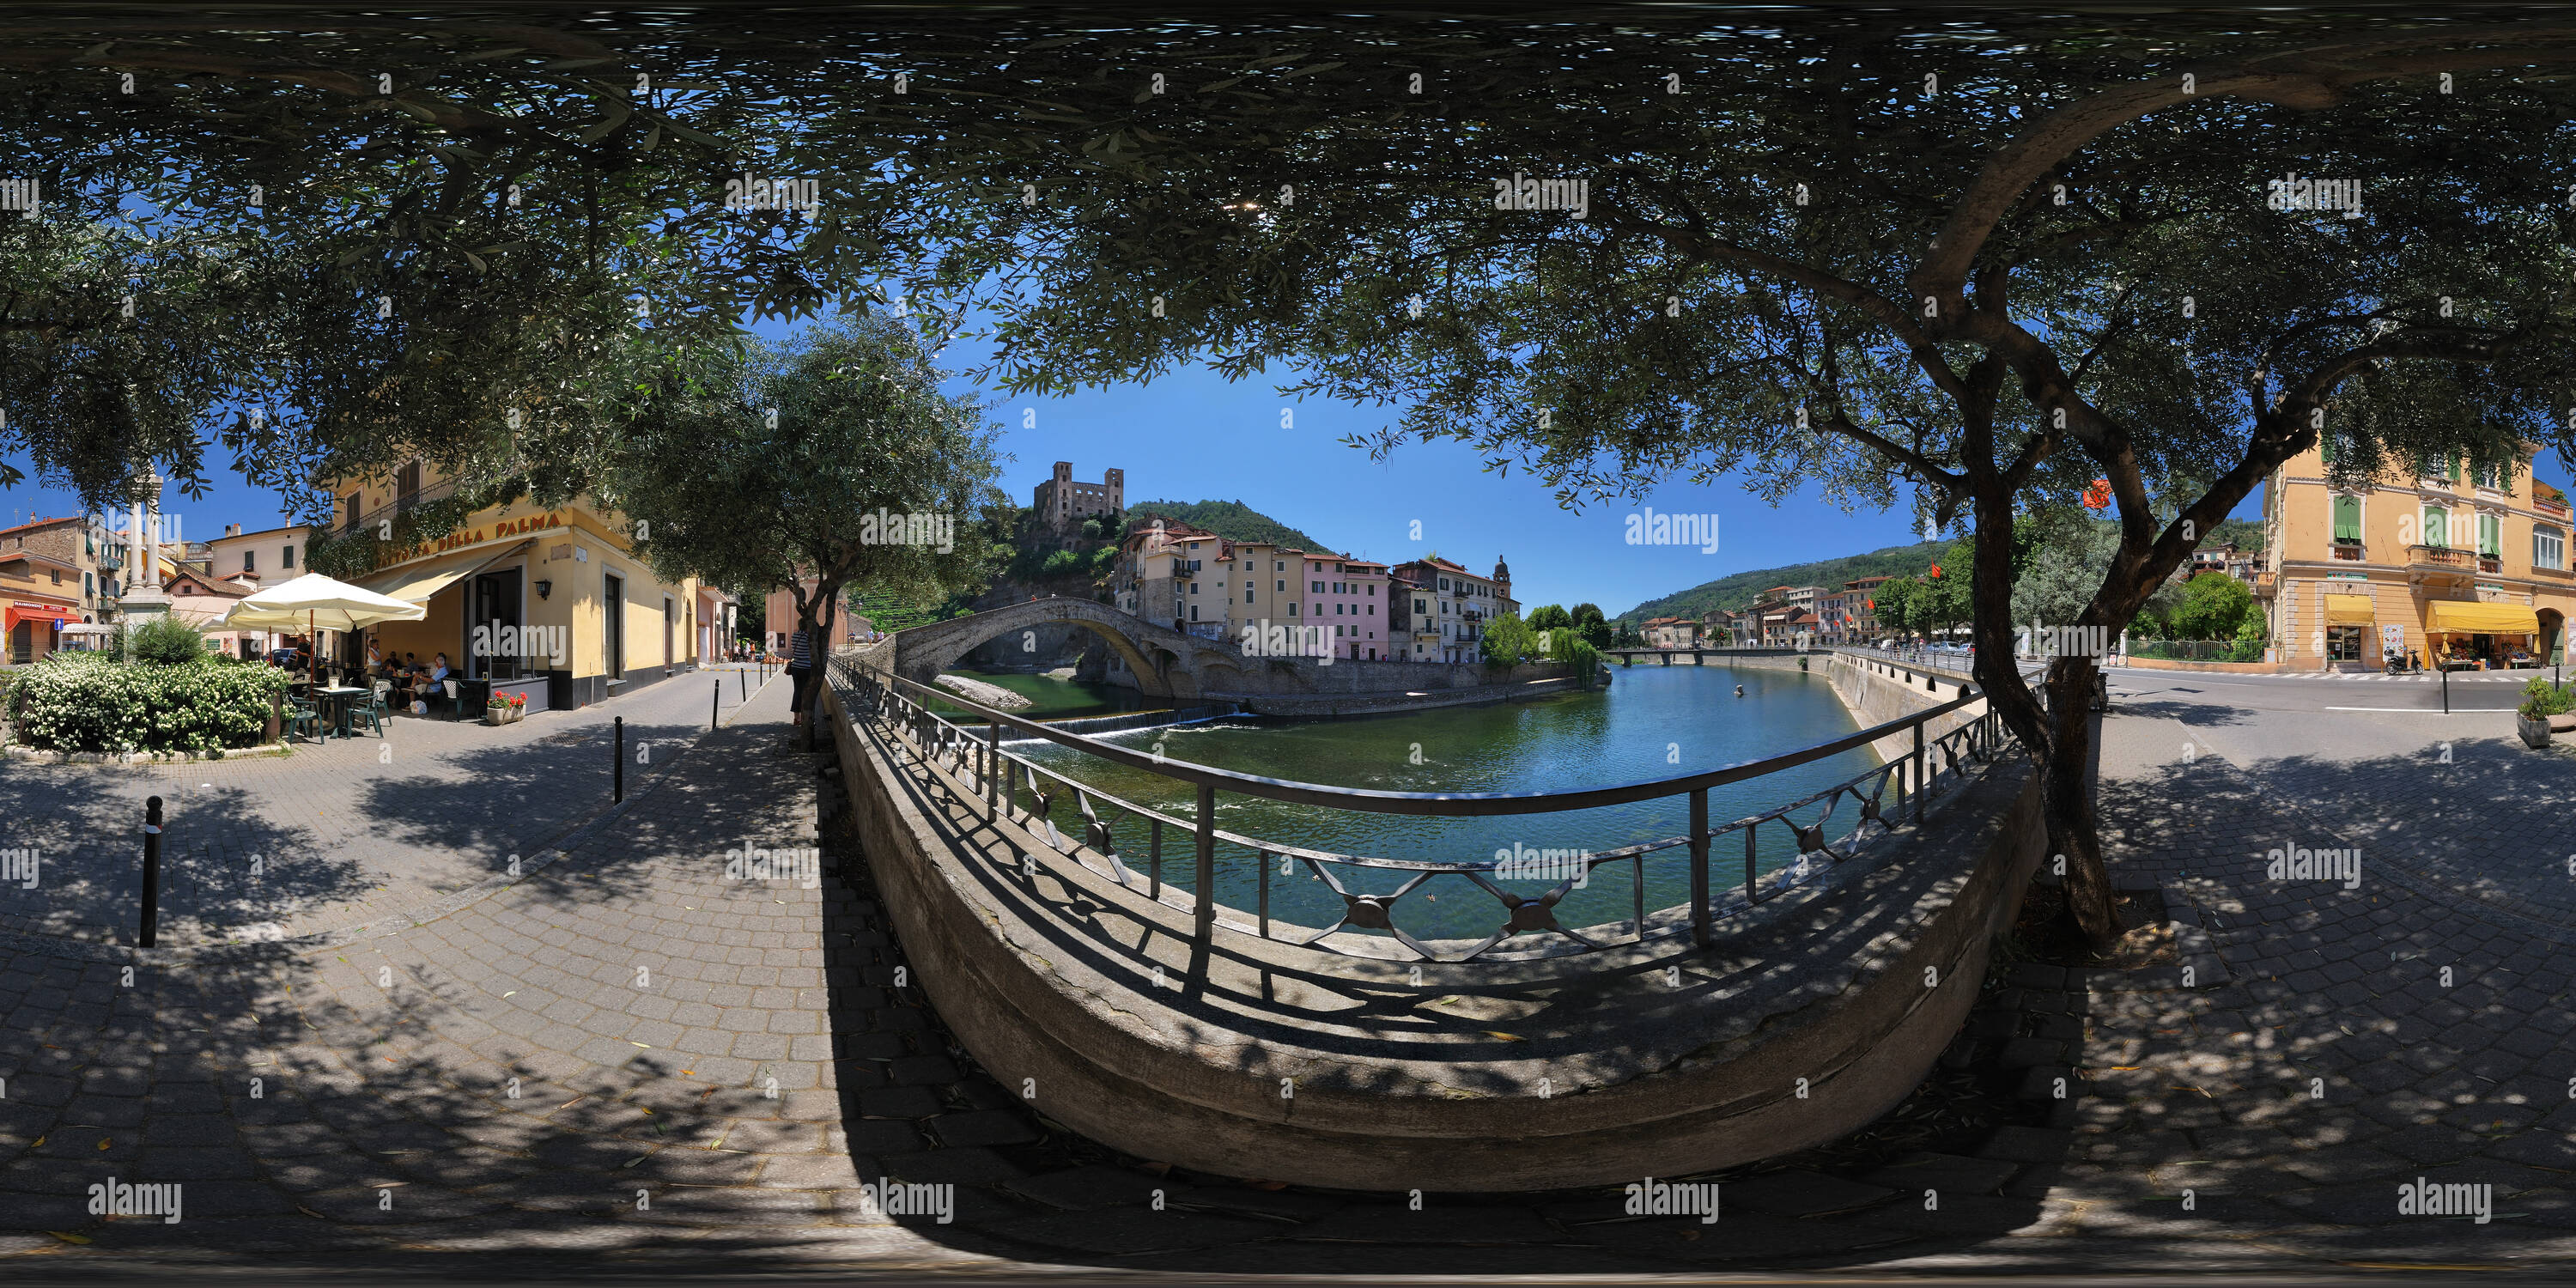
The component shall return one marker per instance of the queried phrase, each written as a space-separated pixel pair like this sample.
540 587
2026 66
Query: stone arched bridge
1166 663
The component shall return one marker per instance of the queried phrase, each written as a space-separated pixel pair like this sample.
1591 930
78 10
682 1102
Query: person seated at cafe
439 672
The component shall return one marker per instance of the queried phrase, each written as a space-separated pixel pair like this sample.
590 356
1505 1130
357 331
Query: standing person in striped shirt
800 670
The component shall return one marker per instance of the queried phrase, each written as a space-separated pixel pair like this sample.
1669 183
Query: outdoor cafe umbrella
316 602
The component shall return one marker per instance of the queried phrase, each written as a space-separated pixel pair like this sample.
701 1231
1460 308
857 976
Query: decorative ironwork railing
974 768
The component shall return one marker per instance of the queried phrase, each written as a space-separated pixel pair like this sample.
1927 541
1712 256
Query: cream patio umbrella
314 601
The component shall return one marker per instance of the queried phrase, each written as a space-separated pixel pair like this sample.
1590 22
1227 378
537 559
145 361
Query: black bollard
618 769
151 870
715 705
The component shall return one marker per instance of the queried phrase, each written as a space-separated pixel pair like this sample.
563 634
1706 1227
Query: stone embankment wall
1252 1056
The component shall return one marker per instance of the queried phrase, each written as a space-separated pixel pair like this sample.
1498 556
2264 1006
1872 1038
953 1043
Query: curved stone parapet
1811 1015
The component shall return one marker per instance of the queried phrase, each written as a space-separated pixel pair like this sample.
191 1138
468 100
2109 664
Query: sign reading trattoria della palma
463 537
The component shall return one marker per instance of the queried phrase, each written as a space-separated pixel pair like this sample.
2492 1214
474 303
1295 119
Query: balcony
2265 585
2441 557
2348 551
2490 564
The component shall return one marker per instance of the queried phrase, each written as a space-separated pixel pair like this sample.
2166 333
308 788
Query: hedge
75 701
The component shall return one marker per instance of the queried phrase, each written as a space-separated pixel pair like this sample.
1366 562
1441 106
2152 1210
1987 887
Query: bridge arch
1165 662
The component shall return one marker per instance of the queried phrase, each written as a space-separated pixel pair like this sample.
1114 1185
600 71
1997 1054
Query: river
1651 722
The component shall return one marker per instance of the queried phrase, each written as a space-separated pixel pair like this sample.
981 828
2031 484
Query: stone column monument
147 599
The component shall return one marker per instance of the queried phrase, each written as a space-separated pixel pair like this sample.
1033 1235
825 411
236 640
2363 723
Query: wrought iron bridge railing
1129 843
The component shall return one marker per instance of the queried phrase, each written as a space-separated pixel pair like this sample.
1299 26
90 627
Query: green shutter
2490 536
2458 464
2436 525
2326 446
2347 518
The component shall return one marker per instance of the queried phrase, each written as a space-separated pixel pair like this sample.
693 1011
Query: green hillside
1232 520
1739 590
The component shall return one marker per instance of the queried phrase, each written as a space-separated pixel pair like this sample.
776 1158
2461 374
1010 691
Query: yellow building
2458 561
550 603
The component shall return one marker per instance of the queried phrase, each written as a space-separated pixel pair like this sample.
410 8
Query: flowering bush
89 702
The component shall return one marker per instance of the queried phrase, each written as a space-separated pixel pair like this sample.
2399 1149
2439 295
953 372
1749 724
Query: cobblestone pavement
332 835
648 1009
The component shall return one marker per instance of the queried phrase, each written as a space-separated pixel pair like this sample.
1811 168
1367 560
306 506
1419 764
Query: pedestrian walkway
339 834
646 1045
637 1060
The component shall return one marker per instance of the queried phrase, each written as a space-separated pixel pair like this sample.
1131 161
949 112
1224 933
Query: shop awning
2349 610
2480 619
13 614
416 583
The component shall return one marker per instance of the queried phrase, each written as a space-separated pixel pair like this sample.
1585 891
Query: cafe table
336 715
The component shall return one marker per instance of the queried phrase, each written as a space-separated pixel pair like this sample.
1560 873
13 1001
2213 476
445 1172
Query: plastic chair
371 710
301 715
455 704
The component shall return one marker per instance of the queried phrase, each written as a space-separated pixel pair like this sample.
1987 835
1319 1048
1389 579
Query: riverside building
2463 562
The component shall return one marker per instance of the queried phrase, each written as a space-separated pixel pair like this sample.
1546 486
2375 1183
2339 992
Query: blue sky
1193 436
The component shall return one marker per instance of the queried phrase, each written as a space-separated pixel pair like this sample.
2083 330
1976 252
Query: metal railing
976 769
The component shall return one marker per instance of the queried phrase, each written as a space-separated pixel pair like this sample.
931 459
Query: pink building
201 600
1348 597
779 622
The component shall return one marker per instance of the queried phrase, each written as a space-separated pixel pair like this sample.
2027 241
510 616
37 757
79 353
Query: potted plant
496 710
2540 701
518 707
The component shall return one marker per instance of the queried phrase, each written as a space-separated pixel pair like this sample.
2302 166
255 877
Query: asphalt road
2469 691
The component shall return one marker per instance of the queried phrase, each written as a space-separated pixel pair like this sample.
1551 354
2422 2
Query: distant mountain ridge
1740 590
1232 520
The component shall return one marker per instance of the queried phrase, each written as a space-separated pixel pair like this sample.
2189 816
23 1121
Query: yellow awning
2349 610
416 582
2480 619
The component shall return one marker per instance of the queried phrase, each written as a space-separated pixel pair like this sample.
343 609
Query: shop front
549 607
2350 634
33 628
2478 635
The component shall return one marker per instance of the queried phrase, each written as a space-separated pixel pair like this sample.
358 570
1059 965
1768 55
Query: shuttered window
2437 523
2491 536
2347 518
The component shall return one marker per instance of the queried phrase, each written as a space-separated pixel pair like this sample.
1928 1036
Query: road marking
2462 711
